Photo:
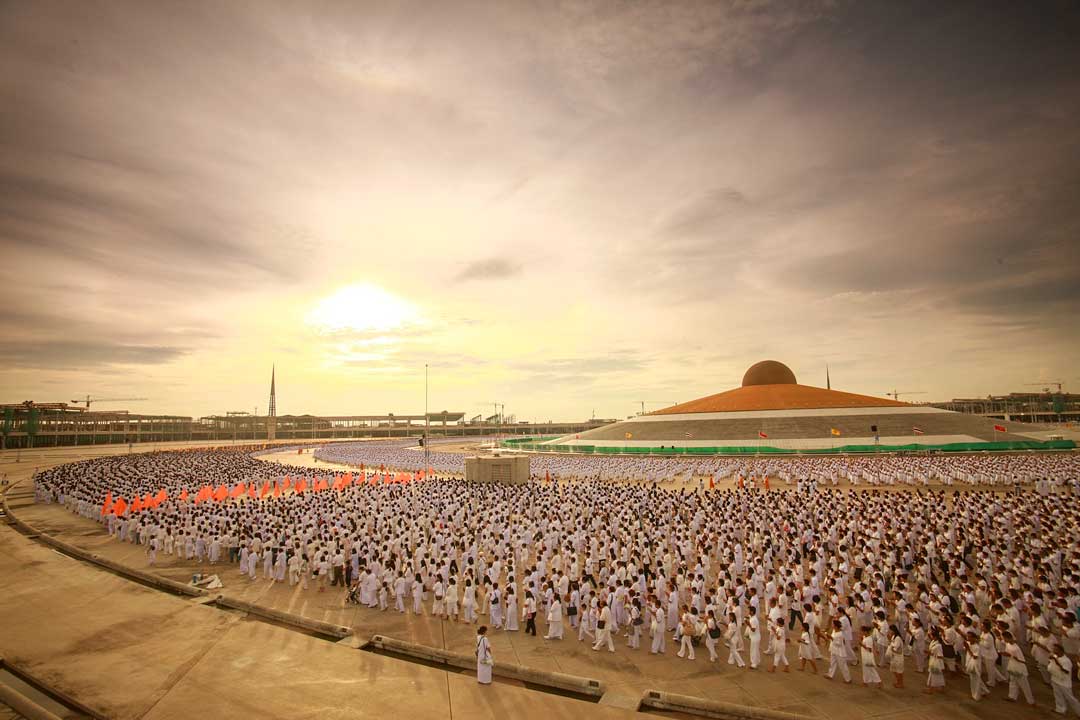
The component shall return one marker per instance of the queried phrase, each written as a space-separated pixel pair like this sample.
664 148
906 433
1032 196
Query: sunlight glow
362 307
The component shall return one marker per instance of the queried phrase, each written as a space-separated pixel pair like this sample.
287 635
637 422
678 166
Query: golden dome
768 372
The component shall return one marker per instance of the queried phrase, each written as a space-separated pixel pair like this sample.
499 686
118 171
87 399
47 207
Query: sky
563 207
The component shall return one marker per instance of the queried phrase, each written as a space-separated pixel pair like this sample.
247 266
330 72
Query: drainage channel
674 714
550 690
255 617
41 695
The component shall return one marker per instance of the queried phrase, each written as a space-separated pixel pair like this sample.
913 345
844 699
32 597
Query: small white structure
508 470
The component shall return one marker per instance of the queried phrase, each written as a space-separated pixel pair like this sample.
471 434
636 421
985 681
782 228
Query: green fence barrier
531 445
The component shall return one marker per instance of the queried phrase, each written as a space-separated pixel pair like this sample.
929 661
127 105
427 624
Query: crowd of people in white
963 585
884 469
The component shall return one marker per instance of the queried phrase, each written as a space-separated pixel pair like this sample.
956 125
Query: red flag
277 490
221 493
136 505
301 485
162 496
712 482
120 507
251 492
761 434
184 495
321 485
239 490
264 490
107 507
1000 428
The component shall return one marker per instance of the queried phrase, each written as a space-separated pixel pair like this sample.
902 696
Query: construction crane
90 400
665 403
1044 384
896 395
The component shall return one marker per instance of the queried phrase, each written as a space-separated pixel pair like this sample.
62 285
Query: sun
363 307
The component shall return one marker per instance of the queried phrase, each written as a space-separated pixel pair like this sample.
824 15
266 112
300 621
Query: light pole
426 421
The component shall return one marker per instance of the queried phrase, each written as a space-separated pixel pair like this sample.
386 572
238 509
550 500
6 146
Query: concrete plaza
129 651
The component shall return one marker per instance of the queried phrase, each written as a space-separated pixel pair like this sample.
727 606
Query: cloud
490 269
81 355
720 181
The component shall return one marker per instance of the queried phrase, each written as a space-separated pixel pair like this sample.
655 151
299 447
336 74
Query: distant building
1041 407
29 424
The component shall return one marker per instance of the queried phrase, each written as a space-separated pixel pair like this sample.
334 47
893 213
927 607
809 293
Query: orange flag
238 490
712 482
300 486
251 492
120 507
265 490
221 493
136 506
107 507
184 495
161 497
277 490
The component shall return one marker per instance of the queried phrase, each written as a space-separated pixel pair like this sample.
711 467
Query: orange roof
777 397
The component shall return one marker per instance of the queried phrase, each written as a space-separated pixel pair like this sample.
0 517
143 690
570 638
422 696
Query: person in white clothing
734 638
484 660
1061 681
603 629
838 653
778 633
753 634
555 620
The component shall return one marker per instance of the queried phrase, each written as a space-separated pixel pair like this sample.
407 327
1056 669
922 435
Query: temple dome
768 372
